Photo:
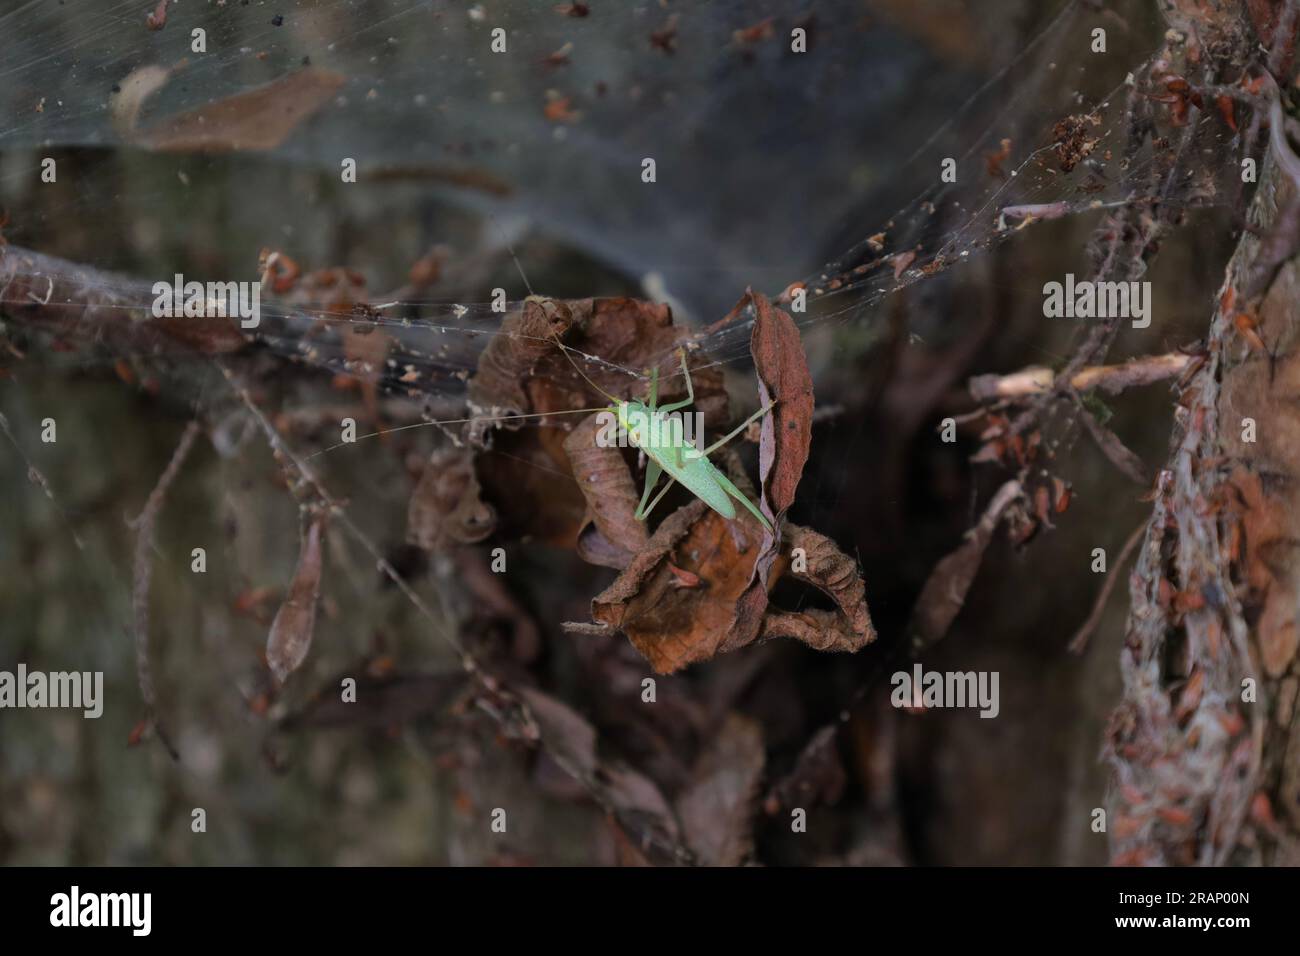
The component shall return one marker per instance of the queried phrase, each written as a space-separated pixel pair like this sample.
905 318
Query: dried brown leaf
848 628
531 482
291 632
447 507
817 778
717 808
674 626
785 439
259 119
606 483
783 377
634 800
945 590
498 385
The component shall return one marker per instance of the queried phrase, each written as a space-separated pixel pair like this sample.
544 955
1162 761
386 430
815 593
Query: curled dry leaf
497 388
848 628
784 445
259 119
611 534
635 802
818 776
783 377
674 626
718 806
731 565
291 632
785 436
946 588
447 507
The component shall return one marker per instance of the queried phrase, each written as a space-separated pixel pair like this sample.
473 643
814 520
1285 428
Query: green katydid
654 429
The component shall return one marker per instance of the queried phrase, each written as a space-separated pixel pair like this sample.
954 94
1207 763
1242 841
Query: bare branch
1038 379
143 525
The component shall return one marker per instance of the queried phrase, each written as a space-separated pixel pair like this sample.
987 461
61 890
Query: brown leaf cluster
698 585
633 799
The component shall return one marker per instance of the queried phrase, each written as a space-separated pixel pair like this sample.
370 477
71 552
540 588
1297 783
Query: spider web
759 157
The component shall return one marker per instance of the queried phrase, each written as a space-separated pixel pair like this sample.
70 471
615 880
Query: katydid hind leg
729 487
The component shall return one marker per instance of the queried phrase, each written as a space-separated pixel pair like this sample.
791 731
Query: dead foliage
260 119
292 630
610 534
671 625
717 809
945 590
635 802
446 508
698 585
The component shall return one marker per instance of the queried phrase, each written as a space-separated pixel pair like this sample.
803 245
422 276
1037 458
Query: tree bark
1205 744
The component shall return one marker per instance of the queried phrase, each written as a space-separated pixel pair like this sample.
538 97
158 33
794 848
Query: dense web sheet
764 165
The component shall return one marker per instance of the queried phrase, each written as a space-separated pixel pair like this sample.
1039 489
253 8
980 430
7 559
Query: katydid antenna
533 295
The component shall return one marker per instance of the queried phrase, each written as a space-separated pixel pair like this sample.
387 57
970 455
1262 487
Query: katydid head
634 418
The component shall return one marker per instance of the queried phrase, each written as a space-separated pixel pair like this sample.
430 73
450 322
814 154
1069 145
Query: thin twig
38 477
143 526
1119 454
586 629
1079 643
1038 379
